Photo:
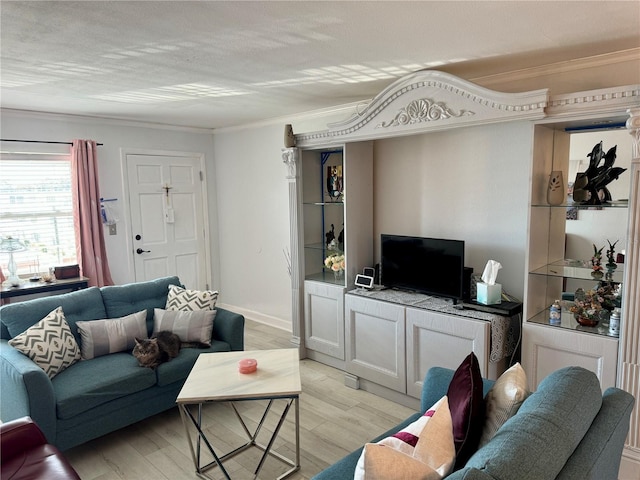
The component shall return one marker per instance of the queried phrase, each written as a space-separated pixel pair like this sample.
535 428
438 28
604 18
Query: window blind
36 208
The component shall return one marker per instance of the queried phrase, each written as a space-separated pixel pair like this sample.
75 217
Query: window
36 208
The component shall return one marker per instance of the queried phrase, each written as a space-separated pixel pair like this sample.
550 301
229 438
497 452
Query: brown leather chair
25 454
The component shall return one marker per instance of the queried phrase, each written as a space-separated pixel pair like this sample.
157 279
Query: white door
166 198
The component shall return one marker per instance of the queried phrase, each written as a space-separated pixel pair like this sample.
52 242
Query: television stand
505 308
392 337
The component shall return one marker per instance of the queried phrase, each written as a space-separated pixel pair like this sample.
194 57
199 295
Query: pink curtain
2 279
90 247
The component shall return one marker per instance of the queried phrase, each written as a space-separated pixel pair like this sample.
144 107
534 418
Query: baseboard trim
259 317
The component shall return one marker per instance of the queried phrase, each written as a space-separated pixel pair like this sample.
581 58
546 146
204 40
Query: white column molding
291 158
629 364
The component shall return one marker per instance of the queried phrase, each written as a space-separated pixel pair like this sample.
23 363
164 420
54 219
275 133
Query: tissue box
489 294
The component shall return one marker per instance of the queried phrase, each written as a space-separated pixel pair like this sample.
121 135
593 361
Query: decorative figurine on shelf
590 185
611 261
341 238
334 182
596 262
555 313
330 235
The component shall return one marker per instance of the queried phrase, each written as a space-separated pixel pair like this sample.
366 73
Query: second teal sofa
566 430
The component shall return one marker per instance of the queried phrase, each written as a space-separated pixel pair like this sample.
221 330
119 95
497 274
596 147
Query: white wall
115 136
468 184
254 223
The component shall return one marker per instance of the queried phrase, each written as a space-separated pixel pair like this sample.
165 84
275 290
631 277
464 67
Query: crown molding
102 120
596 61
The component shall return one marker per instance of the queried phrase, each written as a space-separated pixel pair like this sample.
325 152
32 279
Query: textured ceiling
216 64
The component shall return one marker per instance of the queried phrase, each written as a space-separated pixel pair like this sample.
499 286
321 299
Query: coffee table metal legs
188 418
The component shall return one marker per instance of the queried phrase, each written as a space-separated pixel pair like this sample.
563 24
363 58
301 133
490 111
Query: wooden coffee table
215 378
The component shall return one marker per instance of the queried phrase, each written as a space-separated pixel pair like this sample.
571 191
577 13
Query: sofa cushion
90 383
179 368
538 440
503 400
195 326
84 304
121 300
180 298
49 343
424 449
466 403
112 335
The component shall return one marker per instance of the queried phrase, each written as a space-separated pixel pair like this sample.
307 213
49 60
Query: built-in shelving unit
430 101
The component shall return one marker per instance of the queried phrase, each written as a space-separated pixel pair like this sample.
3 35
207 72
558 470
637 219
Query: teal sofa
97 396
566 430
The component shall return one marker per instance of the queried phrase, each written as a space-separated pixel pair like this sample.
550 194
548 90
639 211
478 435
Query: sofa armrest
599 453
19 435
26 391
229 327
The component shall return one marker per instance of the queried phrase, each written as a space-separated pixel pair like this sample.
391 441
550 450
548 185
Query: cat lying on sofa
161 348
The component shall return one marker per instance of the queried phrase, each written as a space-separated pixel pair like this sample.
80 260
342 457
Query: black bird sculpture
590 186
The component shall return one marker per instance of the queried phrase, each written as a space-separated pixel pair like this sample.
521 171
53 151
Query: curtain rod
40 141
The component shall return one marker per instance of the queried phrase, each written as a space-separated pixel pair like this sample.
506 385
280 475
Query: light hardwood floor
334 420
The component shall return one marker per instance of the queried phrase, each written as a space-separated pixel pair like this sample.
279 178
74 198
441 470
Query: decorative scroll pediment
430 100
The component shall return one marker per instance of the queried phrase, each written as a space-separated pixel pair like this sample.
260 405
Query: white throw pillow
111 335
49 343
189 300
503 400
194 326
423 450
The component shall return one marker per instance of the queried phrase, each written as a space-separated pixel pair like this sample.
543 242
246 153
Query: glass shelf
323 247
326 277
568 322
578 269
580 206
323 204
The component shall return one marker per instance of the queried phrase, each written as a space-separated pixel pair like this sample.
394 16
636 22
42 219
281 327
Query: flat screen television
434 266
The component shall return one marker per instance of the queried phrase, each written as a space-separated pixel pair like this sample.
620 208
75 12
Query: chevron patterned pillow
49 343
190 300
423 449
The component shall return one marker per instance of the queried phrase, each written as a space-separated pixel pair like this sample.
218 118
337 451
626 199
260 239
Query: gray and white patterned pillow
111 335
49 343
195 326
189 300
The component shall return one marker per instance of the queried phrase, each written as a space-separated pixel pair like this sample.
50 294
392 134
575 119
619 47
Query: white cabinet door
324 318
546 349
375 341
437 339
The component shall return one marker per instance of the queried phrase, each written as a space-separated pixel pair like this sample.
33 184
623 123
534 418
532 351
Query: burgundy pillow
467 408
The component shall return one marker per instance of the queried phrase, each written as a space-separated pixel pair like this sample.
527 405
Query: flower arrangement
335 262
589 304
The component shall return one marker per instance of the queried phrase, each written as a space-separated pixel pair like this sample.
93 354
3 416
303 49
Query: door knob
140 251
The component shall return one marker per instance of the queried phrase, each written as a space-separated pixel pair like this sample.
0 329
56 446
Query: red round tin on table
247 365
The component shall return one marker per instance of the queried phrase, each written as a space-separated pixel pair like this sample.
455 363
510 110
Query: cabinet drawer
437 339
375 341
